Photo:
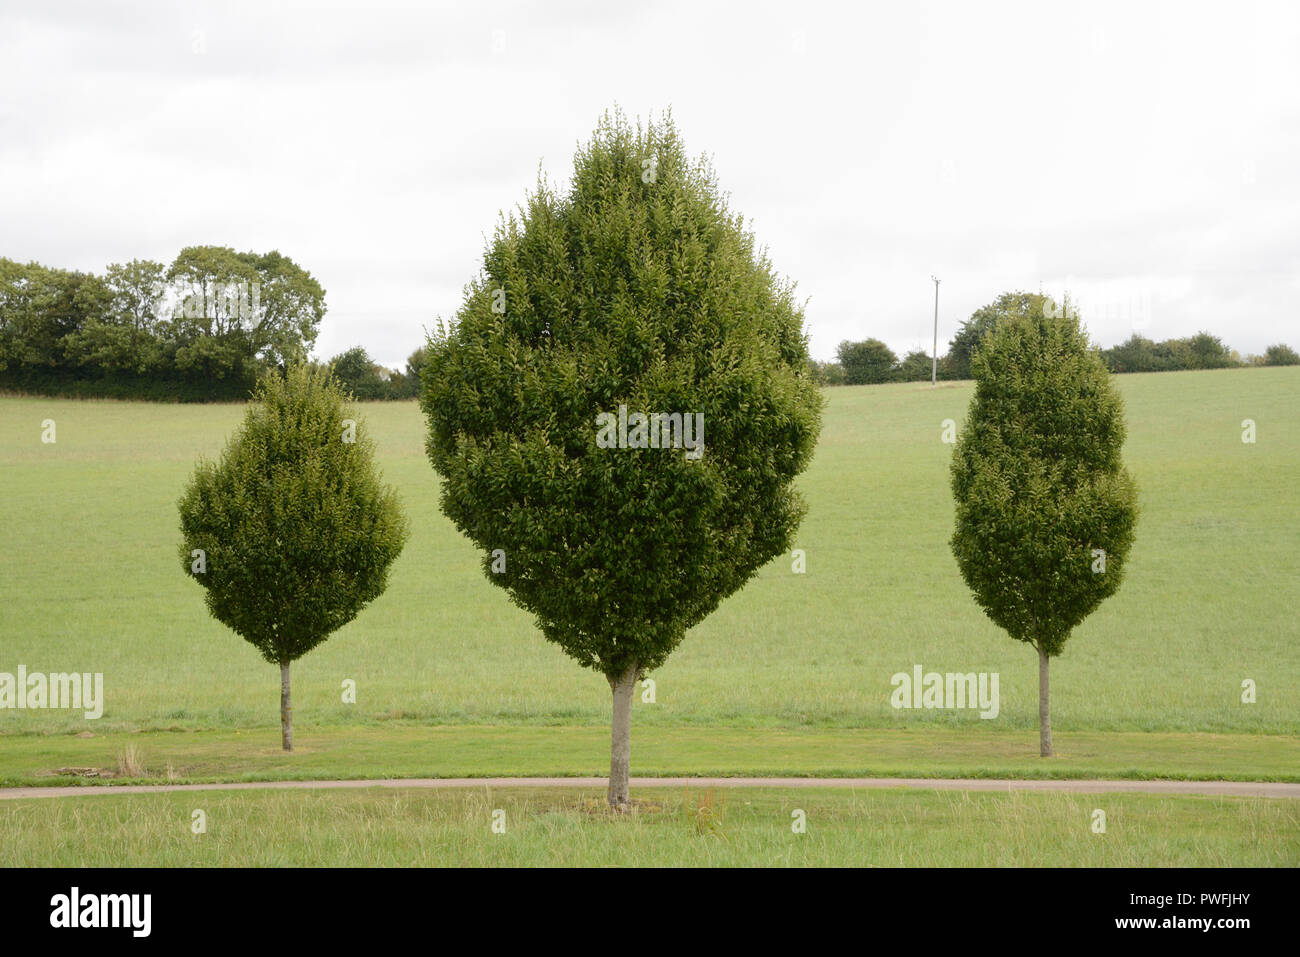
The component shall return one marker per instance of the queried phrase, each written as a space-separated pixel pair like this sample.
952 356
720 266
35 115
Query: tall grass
558 828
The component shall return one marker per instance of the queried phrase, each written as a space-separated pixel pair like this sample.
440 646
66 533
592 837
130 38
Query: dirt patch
599 807
78 773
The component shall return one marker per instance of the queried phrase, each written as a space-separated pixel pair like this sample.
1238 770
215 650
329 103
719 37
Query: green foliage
288 311
1281 355
415 364
39 308
916 366
211 321
366 379
1209 352
866 362
137 290
266 305
1139 354
1038 481
638 288
121 335
203 277
399 385
68 383
297 528
395 385
964 345
212 358
826 373
356 372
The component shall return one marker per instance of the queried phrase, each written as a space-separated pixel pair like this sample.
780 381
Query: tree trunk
1044 707
620 751
286 709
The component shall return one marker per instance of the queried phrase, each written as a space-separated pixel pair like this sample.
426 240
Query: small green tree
1045 509
291 532
609 327
867 362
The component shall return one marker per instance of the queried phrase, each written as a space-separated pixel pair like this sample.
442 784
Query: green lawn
722 827
406 750
90 581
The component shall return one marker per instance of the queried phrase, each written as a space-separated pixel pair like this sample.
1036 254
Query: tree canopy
866 362
637 292
206 326
291 532
1045 510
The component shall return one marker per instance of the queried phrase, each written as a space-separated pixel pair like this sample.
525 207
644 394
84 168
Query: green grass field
407 750
908 827
89 581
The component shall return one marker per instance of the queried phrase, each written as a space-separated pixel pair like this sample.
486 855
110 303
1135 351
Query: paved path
1211 788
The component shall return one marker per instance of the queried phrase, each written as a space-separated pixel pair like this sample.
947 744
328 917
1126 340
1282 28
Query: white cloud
1149 149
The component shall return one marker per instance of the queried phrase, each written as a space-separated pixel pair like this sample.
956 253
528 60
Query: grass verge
407 750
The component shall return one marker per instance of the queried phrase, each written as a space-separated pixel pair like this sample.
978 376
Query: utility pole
934 363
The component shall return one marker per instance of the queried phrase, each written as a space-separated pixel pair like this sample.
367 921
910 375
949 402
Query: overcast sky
1144 156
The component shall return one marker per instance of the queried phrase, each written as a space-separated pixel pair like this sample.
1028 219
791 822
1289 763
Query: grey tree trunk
1044 707
286 709
620 751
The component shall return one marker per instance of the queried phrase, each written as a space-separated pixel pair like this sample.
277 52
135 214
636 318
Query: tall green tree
1045 510
263 306
122 336
213 287
291 532
636 292
288 312
138 290
41 309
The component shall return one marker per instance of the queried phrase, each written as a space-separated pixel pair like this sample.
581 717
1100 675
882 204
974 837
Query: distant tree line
366 379
206 327
871 361
202 328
